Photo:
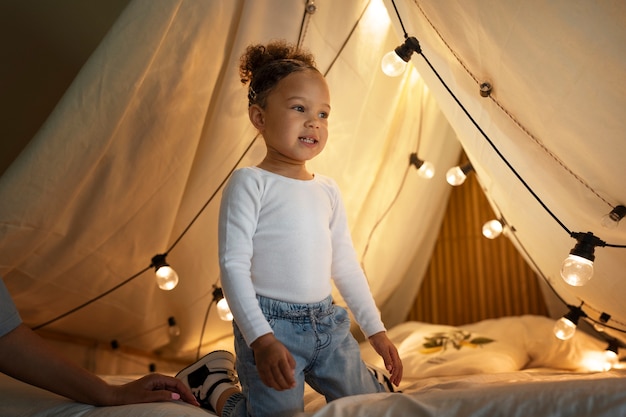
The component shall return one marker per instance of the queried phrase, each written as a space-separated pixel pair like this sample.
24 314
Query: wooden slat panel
472 278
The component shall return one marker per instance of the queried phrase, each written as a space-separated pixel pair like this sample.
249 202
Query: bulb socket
410 45
586 244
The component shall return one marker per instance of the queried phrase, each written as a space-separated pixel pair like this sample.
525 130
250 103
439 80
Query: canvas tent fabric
553 117
156 120
151 128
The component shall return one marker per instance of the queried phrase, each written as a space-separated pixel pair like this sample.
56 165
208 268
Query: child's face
294 122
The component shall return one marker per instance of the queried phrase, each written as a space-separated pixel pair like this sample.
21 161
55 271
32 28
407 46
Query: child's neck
295 171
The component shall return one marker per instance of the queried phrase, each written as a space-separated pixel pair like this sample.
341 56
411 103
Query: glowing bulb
576 270
166 277
455 176
395 62
427 170
492 229
611 358
594 361
223 310
392 64
564 328
173 329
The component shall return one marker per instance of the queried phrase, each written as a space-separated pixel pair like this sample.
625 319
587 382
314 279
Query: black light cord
519 177
493 146
85 304
549 284
131 278
205 205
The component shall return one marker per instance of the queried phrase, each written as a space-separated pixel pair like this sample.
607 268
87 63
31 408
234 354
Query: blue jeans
327 358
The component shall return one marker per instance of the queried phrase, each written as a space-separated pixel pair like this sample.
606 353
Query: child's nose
313 121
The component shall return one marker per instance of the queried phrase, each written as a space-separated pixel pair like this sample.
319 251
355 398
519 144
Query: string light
611 220
565 327
577 268
166 276
492 229
394 63
172 328
425 169
223 310
310 7
457 175
612 350
600 326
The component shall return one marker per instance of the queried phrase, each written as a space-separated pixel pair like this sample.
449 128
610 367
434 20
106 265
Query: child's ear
257 116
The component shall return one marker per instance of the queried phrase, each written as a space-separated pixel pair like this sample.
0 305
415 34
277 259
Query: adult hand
151 388
275 364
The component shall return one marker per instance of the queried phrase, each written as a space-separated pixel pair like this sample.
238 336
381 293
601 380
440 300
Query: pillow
437 350
495 345
535 335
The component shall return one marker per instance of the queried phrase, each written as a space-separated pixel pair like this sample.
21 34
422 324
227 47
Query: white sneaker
382 377
203 376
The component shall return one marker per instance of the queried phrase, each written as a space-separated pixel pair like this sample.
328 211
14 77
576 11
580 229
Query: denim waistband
295 312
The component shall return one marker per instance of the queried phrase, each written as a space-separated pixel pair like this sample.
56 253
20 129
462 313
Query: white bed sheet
513 366
514 394
504 367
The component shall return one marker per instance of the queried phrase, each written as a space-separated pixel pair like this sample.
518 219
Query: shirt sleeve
348 274
239 213
9 316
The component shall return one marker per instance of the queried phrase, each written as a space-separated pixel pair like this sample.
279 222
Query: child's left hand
387 350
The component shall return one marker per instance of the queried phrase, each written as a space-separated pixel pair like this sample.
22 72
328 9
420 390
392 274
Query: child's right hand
274 363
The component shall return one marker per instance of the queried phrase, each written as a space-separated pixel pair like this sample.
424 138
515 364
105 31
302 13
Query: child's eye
324 115
298 108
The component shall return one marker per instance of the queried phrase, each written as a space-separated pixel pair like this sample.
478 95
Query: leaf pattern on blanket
440 341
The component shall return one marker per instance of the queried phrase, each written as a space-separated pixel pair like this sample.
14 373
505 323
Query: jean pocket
340 315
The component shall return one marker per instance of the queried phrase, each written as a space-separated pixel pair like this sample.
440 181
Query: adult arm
24 355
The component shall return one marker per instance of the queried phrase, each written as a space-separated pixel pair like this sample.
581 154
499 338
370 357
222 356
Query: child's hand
383 346
274 363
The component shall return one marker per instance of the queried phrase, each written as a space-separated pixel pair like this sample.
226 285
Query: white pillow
496 345
437 350
535 335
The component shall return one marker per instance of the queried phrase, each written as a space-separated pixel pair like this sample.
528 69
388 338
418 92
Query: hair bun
259 55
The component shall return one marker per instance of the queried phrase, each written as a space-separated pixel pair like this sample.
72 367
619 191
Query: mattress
504 367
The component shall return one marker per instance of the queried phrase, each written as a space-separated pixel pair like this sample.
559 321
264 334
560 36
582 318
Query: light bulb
599 328
223 310
173 329
427 170
611 359
455 176
612 219
166 277
392 65
394 62
492 229
576 270
609 221
564 329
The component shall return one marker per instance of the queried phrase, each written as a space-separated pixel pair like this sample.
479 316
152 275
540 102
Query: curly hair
263 66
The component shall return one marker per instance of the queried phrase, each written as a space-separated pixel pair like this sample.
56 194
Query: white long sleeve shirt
286 239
